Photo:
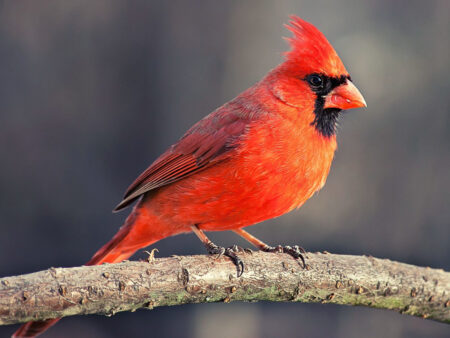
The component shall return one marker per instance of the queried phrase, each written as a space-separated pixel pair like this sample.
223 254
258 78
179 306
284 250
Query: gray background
91 92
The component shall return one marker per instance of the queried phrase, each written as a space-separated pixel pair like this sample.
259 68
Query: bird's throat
325 120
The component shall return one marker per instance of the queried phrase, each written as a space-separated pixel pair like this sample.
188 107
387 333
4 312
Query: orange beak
345 96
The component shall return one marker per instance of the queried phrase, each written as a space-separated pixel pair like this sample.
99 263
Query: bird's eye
315 81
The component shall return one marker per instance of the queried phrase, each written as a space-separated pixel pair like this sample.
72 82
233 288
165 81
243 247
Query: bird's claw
229 252
215 250
295 251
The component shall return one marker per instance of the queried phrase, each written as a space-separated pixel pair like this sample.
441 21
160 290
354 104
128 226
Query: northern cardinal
257 157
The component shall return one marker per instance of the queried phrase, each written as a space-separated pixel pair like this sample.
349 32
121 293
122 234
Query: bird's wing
206 143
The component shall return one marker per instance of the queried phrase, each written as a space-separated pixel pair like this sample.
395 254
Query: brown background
92 91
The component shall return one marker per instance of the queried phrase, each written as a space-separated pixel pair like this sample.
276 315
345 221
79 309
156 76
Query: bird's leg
295 251
214 249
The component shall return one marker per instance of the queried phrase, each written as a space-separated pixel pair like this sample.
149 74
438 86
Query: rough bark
127 286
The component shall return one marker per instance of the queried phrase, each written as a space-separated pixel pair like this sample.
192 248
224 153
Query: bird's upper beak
345 96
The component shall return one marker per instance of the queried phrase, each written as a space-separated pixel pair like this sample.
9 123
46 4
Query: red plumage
257 157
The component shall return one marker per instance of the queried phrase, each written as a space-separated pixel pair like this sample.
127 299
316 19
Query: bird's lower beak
345 96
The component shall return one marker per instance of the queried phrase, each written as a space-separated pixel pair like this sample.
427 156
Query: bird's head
313 78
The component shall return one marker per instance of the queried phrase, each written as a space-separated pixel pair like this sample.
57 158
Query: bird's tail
132 236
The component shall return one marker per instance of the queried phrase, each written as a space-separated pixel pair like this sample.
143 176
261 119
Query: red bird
257 157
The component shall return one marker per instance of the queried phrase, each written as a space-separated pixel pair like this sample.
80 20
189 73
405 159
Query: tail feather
119 248
34 329
112 252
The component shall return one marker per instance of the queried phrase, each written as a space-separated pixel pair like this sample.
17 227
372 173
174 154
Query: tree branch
127 286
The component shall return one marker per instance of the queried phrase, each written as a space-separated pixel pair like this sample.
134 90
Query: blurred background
91 92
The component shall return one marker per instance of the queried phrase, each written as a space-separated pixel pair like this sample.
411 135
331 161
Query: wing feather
206 143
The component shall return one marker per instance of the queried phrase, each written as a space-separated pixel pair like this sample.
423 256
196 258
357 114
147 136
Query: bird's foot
229 252
295 251
236 248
